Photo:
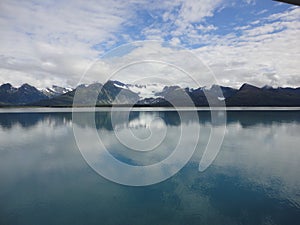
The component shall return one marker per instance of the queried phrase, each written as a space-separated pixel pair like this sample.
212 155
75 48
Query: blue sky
54 42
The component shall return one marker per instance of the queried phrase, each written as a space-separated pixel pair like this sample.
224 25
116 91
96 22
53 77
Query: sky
52 42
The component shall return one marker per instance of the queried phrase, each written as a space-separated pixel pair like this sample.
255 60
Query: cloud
250 1
51 42
57 34
262 54
151 62
195 11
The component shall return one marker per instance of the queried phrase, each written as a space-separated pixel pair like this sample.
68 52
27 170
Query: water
255 178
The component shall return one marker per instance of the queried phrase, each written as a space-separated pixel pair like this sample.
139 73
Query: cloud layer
50 42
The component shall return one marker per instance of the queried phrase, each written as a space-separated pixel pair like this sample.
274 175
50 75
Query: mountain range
118 93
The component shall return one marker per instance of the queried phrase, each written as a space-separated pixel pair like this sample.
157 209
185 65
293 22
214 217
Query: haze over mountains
117 93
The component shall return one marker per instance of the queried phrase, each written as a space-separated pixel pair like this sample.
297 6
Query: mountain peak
26 86
6 86
20 96
95 86
247 86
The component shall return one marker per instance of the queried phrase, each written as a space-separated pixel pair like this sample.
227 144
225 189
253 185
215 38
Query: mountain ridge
118 93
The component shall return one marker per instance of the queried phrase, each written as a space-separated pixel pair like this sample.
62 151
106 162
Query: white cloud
263 54
264 29
56 41
175 41
59 34
250 1
151 62
206 28
49 42
195 11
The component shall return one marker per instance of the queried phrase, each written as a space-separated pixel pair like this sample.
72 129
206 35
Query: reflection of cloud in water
144 133
256 172
100 160
103 119
266 156
145 120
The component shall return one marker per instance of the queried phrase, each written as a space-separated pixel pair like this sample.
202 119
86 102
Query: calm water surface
255 178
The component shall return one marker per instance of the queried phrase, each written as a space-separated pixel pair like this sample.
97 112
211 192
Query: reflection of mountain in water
255 174
8 120
170 118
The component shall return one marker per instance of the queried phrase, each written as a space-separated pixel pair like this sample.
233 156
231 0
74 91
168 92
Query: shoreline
28 109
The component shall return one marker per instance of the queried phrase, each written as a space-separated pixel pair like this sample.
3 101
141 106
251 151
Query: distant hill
115 92
110 92
249 95
25 94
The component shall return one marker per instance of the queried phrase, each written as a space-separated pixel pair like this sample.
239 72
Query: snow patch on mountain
55 90
121 86
146 90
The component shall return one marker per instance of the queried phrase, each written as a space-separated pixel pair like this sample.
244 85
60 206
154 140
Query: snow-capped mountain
116 92
55 91
25 94
143 90
146 90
